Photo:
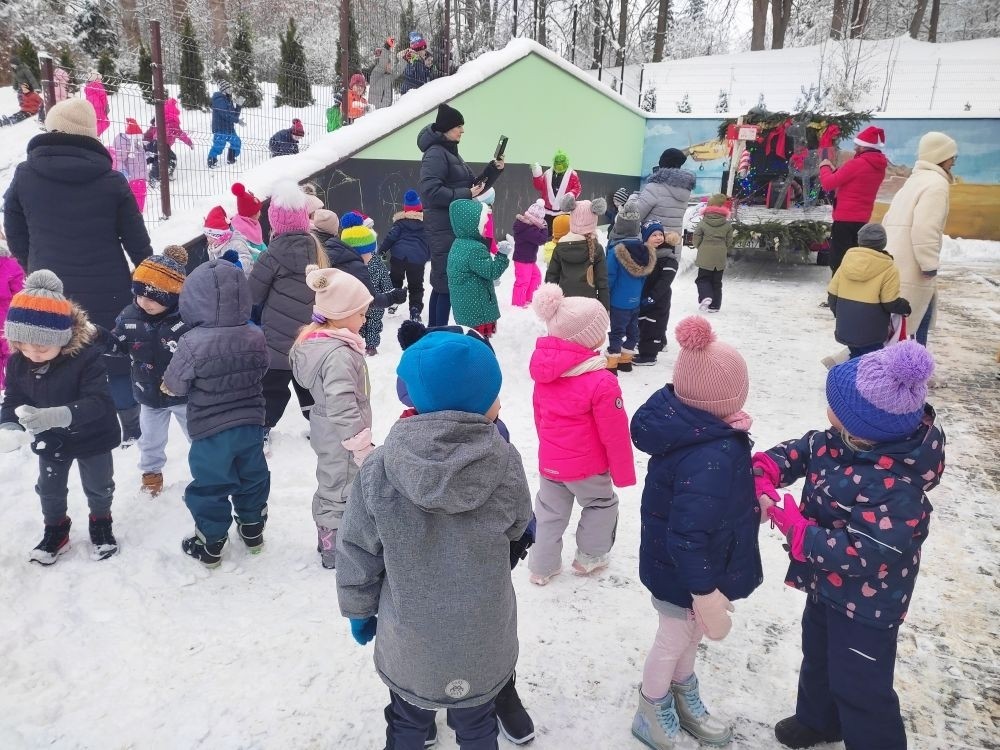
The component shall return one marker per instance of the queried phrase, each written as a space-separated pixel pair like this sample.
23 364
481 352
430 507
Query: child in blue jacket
700 520
408 252
855 540
629 263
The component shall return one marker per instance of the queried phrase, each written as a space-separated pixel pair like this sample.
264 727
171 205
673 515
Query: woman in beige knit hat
914 226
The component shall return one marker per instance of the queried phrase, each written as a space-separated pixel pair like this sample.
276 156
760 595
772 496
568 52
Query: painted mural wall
975 198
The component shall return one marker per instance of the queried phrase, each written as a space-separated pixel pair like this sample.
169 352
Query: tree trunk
837 20
918 19
622 31
598 33
661 30
542 13
220 31
759 24
178 9
932 27
859 18
130 22
781 12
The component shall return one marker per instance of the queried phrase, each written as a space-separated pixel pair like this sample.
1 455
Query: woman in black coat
444 178
68 211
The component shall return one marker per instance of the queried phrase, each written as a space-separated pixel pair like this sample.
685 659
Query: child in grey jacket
328 358
425 546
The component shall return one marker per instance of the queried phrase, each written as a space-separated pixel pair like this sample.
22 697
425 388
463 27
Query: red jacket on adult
856 184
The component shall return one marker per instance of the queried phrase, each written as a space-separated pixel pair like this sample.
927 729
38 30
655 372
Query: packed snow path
149 650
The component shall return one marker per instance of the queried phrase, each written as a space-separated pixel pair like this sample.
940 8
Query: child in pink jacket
583 435
95 93
11 282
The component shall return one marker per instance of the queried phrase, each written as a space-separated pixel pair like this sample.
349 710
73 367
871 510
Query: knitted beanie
225 86
246 202
649 227
880 396
313 203
355 234
583 214
161 277
708 375
620 196
718 200
132 127
297 129
446 372
672 158
872 235
411 201
560 227
40 314
933 147
288 211
72 116
560 162
358 79
216 222
338 293
326 221
536 213
627 221
447 118
582 320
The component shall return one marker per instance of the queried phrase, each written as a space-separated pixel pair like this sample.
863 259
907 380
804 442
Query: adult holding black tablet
444 178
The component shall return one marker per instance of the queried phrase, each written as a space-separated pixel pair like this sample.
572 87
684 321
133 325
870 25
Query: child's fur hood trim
84 333
415 215
628 263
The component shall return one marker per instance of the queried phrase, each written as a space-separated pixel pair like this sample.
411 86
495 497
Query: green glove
36 420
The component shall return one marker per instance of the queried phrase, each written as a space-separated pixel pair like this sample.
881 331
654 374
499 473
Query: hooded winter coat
528 238
581 421
337 379
225 113
425 545
130 156
405 240
97 219
278 284
855 184
96 94
713 237
347 259
220 362
471 268
628 266
568 267
380 80
172 116
149 342
664 198
76 378
700 517
283 143
863 294
872 516
914 226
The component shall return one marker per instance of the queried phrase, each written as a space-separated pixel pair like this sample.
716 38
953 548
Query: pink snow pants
527 278
671 659
139 191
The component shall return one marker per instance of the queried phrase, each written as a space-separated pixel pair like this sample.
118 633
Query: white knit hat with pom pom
582 320
709 375
338 294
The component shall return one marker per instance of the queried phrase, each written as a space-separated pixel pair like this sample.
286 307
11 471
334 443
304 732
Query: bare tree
781 13
759 30
130 22
918 19
662 13
220 31
837 19
932 28
859 18
622 31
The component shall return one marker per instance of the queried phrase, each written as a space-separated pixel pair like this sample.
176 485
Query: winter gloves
519 547
397 296
790 522
363 629
712 613
765 480
505 247
360 445
36 420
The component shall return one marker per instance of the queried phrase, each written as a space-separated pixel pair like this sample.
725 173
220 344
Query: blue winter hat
880 396
446 372
649 227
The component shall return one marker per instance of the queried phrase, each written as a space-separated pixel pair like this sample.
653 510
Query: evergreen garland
294 89
193 94
848 122
145 74
242 74
788 240
109 73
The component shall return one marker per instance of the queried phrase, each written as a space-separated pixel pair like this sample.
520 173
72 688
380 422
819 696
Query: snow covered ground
149 650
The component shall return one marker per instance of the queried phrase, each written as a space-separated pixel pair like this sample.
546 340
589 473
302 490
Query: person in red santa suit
855 185
554 184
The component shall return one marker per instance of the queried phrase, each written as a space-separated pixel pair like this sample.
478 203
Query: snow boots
131 431
657 725
326 545
152 483
584 564
695 718
514 722
625 362
252 534
102 538
213 162
208 554
613 361
792 733
54 542
415 314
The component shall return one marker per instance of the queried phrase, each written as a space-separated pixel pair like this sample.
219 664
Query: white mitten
13 438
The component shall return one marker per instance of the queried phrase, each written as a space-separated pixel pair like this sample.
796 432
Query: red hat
216 222
297 128
358 80
132 127
871 137
246 202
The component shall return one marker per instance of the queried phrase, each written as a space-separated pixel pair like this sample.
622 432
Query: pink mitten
766 476
712 613
790 522
360 445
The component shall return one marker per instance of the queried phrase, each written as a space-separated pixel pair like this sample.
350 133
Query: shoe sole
59 553
708 741
643 740
580 570
97 555
544 580
643 364
510 738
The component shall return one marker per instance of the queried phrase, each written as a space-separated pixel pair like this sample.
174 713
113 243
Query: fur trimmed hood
673 177
84 332
629 263
415 215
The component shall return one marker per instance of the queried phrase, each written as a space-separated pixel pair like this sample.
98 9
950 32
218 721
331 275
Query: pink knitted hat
583 215
288 211
582 320
709 375
338 293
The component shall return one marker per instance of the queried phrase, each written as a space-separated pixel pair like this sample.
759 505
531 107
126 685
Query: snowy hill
897 76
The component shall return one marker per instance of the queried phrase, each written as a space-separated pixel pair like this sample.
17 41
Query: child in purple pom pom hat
854 541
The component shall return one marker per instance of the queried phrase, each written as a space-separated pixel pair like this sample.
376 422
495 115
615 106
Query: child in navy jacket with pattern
855 542
700 521
408 252
147 332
